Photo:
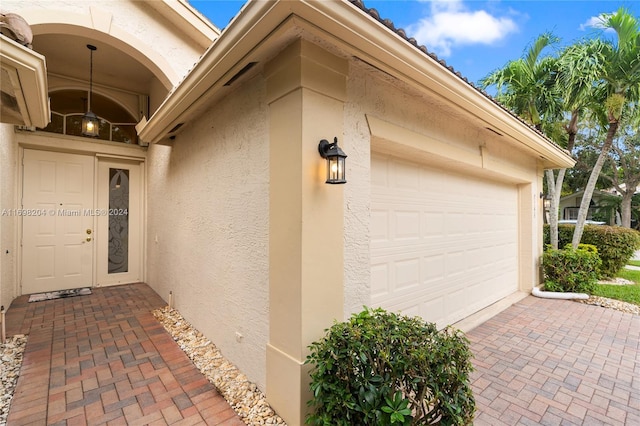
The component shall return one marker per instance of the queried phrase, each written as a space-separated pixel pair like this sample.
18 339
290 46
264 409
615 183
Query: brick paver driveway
103 359
556 362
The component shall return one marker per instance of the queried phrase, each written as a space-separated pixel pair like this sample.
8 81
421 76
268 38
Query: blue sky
474 36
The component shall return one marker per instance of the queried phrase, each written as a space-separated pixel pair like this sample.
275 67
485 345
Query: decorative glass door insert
120 225
118 221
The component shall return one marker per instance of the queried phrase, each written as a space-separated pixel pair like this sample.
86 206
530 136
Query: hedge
571 270
616 245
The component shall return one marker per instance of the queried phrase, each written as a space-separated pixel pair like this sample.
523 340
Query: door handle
88 239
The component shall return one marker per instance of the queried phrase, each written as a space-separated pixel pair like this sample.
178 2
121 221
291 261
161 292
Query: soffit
24 99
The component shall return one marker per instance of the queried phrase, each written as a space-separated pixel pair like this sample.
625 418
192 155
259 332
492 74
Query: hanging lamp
90 121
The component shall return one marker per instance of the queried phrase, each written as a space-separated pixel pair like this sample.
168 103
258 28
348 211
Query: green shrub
571 270
380 368
615 244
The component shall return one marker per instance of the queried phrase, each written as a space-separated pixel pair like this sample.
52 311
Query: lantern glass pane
333 169
341 168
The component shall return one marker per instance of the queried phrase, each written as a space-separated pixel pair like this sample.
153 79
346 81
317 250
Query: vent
176 127
240 73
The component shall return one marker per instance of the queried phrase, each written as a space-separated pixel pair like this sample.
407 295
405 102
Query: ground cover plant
380 368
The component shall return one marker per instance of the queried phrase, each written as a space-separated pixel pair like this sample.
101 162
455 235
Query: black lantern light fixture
546 201
335 161
90 122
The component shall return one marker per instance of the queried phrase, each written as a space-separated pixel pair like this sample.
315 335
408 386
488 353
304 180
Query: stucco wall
208 225
8 222
372 93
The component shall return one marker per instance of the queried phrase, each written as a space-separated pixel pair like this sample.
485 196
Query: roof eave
26 72
183 15
363 36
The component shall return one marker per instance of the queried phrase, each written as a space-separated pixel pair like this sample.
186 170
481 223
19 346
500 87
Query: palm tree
624 174
523 85
528 87
614 70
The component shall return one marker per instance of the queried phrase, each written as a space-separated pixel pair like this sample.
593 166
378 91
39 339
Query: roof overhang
261 27
184 16
25 99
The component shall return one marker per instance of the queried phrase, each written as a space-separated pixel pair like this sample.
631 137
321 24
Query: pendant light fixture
90 122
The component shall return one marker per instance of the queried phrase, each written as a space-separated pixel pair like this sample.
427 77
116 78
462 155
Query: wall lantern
335 160
546 201
90 121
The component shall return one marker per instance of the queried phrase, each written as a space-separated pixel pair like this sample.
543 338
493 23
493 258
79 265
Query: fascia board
28 72
183 15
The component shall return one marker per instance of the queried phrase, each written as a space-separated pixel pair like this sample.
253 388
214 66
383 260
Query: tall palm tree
523 84
614 70
624 174
528 87
531 88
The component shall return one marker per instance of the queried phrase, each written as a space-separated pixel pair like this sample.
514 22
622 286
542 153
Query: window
571 213
68 107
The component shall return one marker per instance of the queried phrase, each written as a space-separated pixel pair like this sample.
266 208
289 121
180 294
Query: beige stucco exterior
208 225
258 253
8 223
306 216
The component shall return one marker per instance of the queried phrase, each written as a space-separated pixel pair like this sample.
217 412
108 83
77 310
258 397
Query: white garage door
443 245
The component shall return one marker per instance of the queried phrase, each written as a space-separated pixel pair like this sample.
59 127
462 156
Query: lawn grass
630 274
625 293
634 262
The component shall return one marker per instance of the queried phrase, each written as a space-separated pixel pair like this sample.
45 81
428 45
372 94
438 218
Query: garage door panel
407 274
442 244
379 281
407 225
379 226
433 267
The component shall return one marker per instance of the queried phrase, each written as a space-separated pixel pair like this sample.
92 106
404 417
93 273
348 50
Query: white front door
57 232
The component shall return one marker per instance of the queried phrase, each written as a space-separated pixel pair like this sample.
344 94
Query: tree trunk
625 208
591 184
554 187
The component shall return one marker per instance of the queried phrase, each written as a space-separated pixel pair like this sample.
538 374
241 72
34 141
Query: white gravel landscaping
243 396
11 356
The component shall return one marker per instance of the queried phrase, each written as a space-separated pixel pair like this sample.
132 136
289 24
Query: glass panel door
119 230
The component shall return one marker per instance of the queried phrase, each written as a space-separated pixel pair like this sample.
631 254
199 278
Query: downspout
537 292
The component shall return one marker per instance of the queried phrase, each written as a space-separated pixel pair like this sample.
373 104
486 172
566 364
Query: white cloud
452 24
593 22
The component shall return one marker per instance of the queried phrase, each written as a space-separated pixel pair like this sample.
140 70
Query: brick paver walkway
555 362
104 359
